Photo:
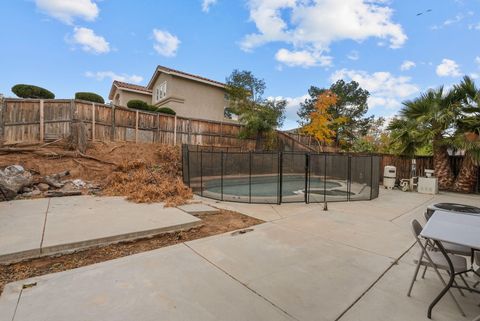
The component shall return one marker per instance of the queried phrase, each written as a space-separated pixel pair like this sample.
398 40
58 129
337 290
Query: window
228 114
161 91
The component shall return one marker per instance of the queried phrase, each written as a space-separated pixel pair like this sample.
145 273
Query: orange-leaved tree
321 122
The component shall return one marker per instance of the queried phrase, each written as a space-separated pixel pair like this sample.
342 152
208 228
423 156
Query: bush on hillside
166 110
31 91
93 97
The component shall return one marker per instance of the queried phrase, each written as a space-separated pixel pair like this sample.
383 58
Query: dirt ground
213 224
143 173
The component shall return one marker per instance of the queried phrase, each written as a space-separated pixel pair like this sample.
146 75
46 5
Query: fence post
3 106
112 134
93 122
189 131
136 126
42 122
201 172
371 177
307 170
158 133
280 177
221 174
175 131
250 177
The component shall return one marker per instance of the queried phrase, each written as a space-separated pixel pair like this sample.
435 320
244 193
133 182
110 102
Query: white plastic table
453 227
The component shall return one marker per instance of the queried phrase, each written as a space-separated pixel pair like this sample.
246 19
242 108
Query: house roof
182 74
128 87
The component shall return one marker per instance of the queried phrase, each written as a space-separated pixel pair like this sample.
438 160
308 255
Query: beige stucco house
188 95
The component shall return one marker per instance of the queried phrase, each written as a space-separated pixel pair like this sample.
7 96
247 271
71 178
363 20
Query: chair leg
459 290
465 282
424 271
417 268
445 284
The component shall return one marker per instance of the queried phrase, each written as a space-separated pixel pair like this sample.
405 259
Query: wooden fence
34 120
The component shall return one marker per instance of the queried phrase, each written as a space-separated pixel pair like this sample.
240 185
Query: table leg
449 283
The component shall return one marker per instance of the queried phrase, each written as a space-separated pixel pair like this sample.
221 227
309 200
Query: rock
79 183
60 193
12 180
54 180
36 192
26 190
69 186
43 187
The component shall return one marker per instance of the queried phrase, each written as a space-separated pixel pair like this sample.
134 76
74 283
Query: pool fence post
325 180
307 166
221 174
201 172
250 177
349 177
280 177
371 177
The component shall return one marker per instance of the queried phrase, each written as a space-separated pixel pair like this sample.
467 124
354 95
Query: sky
396 49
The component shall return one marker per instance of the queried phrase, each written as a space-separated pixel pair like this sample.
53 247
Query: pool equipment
389 176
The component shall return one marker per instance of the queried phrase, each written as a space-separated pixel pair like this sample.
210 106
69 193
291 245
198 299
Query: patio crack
374 283
44 225
412 210
243 284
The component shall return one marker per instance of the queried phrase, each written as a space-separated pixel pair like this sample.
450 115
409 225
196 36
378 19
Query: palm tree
432 116
467 136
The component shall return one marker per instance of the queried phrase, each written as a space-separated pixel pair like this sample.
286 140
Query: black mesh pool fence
280 177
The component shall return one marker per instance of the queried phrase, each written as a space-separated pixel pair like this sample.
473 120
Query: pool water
266 186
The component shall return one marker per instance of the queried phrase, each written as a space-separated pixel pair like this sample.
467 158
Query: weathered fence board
25 121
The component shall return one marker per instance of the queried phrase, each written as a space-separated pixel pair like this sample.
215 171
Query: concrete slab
78 222
387 300
21 226
46 226
198 208
167 284
309 277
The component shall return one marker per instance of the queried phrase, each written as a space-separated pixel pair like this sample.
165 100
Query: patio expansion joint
394 263
44 225
241 283
413 209
17 304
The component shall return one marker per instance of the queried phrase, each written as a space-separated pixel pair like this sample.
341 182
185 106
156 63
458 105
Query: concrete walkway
352 263
32 228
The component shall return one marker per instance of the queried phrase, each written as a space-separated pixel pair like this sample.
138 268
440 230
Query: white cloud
293 105
407 65
447 68
313 25
301 58
385 89
165 44
89 41
477 60
353 55
67 10
475 26
474 75
206 4
101 75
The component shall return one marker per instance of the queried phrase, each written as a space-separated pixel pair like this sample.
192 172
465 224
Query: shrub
138 104
93 97
30 91
166 110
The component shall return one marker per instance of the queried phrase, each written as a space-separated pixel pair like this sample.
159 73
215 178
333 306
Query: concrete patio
31 228
353 262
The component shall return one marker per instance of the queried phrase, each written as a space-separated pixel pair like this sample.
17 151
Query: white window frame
161 91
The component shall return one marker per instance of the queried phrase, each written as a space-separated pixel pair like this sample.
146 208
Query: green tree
351 104
260 116
467 136
430 119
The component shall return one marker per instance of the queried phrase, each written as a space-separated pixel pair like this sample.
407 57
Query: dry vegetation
141 172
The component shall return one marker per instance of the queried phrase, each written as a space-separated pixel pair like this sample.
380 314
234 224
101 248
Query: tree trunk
260 142
467 177
442 168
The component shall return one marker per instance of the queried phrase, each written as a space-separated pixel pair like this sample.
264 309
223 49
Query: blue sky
81 45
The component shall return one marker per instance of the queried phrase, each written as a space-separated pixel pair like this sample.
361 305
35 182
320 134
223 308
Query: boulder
43 187
12 180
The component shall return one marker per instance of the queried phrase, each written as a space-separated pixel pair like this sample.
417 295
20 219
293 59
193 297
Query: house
188 95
